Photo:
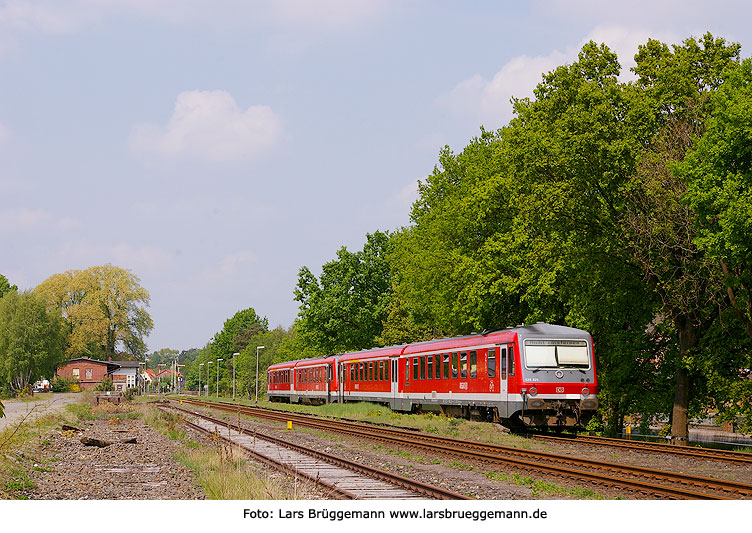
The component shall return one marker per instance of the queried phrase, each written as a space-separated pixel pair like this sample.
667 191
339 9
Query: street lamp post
199 379
233 375
140 378
257 351
218 360
208 374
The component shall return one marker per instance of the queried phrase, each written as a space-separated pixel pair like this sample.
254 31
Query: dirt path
16 410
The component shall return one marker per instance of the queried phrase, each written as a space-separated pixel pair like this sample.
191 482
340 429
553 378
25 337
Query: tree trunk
688 337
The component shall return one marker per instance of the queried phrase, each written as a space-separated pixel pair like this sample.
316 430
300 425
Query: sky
216 147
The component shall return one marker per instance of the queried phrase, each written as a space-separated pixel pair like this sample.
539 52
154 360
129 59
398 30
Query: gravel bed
507 482
144 470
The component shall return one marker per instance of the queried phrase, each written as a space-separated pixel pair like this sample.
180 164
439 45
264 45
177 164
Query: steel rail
655 447
419 487
490 453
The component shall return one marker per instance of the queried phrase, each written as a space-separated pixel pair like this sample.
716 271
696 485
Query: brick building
88 372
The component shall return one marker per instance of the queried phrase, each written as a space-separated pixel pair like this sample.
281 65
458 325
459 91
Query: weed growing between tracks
541 488
222 471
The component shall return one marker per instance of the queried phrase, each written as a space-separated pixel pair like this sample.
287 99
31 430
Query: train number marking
559 390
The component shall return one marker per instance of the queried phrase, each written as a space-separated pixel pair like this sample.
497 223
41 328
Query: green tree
345 308
236 332
5 286
105 309
31 339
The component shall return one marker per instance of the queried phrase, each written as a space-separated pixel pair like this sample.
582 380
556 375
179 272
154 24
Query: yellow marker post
289 424
629 431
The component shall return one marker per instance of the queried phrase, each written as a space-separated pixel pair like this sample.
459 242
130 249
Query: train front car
555 386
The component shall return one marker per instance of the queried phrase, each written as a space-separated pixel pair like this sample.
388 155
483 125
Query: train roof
539 329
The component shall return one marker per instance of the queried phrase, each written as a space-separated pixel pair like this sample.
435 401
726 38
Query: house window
75 373
88 373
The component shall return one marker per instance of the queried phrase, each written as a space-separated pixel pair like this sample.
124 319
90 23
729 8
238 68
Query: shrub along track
345 478
646 481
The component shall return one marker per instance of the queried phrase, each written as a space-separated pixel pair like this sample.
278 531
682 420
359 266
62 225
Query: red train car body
539 375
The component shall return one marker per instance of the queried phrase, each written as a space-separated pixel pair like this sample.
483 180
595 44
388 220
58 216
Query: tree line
620 207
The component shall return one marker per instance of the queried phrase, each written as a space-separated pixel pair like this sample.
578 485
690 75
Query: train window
446 365
370 371
503 360
352 371
407 369
437 365
491 362
381 371
415 368
429 367
362 371
473 364
386 370
423 367
511 360
463 365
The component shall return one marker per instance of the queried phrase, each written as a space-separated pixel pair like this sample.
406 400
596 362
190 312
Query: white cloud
45 17
141 258
490 100
23 220
225 271
209 125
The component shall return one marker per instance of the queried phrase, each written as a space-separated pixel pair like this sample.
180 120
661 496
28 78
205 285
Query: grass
428 422
540 488
221 471
21 447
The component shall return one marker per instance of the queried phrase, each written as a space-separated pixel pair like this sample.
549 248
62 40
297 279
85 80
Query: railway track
654 447
343 478
662 484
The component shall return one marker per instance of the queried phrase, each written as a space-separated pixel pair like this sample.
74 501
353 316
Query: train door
503 381
341 382
393 378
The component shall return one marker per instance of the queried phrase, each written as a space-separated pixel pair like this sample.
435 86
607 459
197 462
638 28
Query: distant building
87 372
90 372
125 377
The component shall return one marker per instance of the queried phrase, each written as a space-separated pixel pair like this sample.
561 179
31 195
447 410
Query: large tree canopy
105 309
575 214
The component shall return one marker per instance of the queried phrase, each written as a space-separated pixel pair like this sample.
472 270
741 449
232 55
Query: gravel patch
144 470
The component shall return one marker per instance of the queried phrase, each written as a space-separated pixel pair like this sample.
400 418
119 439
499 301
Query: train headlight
533 391
585 392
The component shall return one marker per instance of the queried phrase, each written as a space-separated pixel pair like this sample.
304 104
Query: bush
127 395
106 385
61 384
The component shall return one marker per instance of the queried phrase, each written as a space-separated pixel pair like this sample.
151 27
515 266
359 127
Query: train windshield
556 354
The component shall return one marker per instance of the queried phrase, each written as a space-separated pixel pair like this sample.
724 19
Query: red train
540 375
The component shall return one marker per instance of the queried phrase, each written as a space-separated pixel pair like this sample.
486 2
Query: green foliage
104 308
237 332
575 213
61 384
105 385
31 340
6 287
345 308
